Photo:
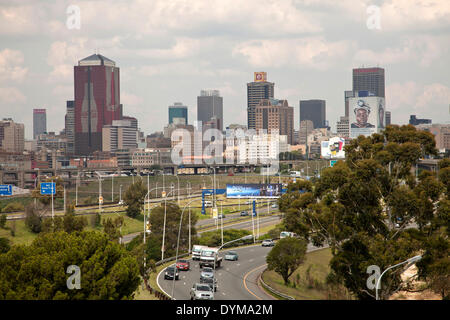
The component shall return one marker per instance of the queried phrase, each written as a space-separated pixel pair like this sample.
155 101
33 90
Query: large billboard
272 190
260 76
366 115
333 148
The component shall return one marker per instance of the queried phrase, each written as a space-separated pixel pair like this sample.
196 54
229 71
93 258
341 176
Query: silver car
207 273
201 291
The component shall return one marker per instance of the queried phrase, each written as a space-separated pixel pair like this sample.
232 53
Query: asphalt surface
236 280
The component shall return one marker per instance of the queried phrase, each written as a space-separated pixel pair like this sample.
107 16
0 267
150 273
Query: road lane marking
245 278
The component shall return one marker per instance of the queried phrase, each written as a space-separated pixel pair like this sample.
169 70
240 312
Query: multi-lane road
236 280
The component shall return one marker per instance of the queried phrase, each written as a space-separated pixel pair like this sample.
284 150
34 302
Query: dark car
209 281
183 265
244 213
170 272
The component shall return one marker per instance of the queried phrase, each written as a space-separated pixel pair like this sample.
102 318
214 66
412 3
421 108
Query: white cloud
420 49
426 101
11 96
415 14
314 53
11 68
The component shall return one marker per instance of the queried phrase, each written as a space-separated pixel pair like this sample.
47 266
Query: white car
201 291
268 243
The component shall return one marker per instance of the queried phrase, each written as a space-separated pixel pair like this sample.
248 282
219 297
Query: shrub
13 206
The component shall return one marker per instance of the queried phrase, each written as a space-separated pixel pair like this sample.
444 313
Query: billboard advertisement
260 76
333 148
255 190
366 115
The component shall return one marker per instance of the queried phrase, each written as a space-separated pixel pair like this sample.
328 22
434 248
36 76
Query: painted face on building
361 117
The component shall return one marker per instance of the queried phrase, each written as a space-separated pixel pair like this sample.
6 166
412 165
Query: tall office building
259 89
97 101
387 116
12 136
39 122
120 135
314 110
306 127
70 126
179 112
210 105
347 95
369 79
275 115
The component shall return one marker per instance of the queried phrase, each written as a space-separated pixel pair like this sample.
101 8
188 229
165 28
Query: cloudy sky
169 50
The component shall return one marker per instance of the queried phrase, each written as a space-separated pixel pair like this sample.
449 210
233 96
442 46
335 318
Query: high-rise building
306 127
39 122
415 121
12 136
369 79
209 105
347 94
70 126
343 127
180 112
97 101
387 116
120 135
259 89
314 110
275 116
133 121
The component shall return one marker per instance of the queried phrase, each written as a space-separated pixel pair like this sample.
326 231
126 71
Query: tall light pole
100 199
76 188
409 261
120 194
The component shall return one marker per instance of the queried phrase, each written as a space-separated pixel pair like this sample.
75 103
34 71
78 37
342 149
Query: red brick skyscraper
97 101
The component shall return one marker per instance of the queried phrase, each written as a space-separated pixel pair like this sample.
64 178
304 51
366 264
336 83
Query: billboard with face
333 148
366 115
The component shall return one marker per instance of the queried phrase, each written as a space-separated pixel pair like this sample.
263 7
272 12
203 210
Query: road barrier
275 292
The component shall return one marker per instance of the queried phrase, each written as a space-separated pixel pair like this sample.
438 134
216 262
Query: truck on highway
285 234
196 251
210 257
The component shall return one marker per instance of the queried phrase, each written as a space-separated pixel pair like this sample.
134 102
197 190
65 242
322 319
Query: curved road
236 280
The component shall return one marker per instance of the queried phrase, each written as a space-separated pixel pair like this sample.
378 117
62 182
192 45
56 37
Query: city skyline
303 50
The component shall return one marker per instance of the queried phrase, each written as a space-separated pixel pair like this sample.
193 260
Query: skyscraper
259 89
314 110
274 114
97 101
12 136
39 122
209 105
70 126
369 79
387 115
179 111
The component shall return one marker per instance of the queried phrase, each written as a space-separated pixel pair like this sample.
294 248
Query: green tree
38 271
5 245
286 256
2 221
33 218
173 216
112 228
355 205
134 198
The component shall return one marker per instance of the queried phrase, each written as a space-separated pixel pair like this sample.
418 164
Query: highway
236 280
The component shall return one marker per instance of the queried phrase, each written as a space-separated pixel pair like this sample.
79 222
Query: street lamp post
120 194
100 200
409 261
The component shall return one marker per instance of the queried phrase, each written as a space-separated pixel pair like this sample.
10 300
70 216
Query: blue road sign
48 188
5 190
332 162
